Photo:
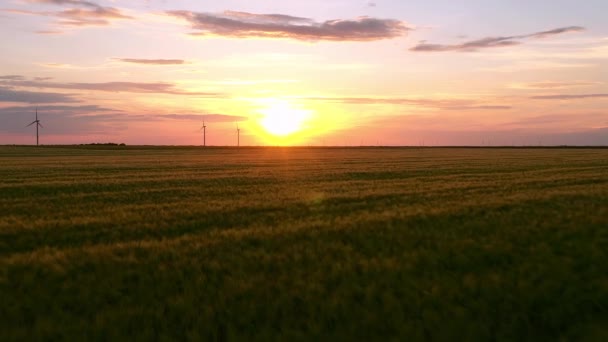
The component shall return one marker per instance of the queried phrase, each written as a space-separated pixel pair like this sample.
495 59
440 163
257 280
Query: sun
281 118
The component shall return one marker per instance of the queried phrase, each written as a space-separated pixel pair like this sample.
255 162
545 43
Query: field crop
143 243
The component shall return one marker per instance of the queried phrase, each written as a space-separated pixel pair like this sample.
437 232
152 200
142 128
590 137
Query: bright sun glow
281 119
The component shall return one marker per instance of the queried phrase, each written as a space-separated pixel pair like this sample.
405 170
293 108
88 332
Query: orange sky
305 72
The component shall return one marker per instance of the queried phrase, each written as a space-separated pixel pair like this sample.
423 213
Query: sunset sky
305 72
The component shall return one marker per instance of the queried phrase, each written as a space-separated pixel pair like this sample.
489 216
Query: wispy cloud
81 3
64 120
151 61
127 87
77 13
84 120
545 34
249 25
492 42
49 32
237 82
56 65
569 97
11 77
201 117
54 109
573 120
90 17
533 65
444 104
552 85
22 96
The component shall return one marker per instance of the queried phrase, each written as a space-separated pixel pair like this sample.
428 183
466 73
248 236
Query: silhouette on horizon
38 124
204 129
238 135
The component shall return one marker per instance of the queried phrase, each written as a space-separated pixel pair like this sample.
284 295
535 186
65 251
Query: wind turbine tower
238 136
38 124
204 129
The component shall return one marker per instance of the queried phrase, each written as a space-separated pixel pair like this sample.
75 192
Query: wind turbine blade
31 124
39 124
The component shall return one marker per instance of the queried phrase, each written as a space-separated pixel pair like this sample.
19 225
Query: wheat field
187 243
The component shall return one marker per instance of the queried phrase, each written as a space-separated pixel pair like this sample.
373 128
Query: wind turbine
238 135
38 124
204 129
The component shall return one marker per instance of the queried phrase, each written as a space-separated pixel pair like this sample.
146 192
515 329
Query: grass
110 243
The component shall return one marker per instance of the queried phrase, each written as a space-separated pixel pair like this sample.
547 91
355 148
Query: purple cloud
492 42
201 117
127 87
248 25
569 97
445 104
11 95
151 61
81 13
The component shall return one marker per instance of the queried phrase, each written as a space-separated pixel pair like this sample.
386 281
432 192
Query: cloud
492 42
127 87
95 17
86 111
201 117
108 127
534 65
478 107
569 97
248 25
553 85
12 77
463 130
545 34
66 2
11 95
238 82
63 120
445 104
470 46
570 120
267 18
54 109
49 32
81 13
151 61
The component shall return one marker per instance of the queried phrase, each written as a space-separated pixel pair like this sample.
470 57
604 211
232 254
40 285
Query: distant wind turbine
38 124
204 129
238 135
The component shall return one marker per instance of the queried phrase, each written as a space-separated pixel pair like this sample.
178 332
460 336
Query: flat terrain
102 243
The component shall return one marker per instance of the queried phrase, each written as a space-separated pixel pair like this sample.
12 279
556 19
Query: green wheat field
263 244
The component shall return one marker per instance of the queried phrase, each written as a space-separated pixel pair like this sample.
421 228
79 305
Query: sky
305 72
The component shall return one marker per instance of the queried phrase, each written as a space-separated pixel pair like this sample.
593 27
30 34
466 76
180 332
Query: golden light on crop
281 118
